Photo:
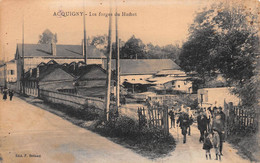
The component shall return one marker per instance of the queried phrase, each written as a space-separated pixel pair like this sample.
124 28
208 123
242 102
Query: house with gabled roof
133 70
34 54
172 80
50 76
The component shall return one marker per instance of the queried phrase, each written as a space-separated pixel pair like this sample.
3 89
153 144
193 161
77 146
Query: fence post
155 116
152 109
166 124
148 110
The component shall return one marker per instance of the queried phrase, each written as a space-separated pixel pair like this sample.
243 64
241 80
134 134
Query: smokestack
53 47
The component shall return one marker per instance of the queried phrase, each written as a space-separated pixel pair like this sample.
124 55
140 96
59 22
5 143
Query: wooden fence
240 119
70 99
157 117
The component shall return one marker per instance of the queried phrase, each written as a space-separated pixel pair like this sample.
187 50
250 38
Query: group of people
184 120
211 124
8 92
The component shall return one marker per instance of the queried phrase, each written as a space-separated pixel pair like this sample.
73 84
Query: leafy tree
99 41
133 48
222 39
172 52
47 36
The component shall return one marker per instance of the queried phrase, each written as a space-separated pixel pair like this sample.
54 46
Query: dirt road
192 151
30 134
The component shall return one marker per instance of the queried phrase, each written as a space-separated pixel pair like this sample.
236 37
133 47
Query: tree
172 52
47 36
224 39
133 48
99 41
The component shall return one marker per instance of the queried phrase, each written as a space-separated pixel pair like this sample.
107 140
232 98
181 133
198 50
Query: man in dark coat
202 124
172 117
11 93
219 125
184 124
5 94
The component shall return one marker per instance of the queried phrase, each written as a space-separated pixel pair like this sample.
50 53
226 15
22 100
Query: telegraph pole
117 65
85 39
109 56
5 84
23 82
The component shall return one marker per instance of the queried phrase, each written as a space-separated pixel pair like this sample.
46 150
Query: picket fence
241 119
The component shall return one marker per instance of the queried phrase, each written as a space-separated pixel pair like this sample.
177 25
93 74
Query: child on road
207 145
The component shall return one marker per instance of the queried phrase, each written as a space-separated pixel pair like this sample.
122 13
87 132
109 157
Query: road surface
192 151
30 134
26 129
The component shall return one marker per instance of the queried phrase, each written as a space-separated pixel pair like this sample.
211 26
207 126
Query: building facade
210 97
8 74
51 76
34 54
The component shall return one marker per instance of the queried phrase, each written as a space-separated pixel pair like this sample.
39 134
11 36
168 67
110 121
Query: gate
158 117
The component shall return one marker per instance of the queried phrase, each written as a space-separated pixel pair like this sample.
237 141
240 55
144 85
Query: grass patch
247 144
86 114
150 142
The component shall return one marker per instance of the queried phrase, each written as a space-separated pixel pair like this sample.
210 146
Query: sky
160 22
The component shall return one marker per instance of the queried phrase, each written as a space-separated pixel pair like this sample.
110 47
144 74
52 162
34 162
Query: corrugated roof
44 50
144 66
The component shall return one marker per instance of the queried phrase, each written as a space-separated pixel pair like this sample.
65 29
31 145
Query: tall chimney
53 47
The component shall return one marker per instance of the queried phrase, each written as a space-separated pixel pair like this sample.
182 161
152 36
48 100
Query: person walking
5 94
207 145
208 115
172 117
202 124
216 144
11 93
184 124
219 125
190 119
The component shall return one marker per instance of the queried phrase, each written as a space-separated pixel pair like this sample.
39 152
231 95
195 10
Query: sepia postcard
129 81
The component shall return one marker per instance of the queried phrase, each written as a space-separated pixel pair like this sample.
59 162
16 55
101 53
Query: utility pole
117 65
109 56
85 37
23 82
5 84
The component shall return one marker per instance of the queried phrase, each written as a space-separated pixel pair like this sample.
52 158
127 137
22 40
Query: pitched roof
44 70
44 50
85 69
144 66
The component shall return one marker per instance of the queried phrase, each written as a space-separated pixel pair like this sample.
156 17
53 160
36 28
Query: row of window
133 79
73 91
